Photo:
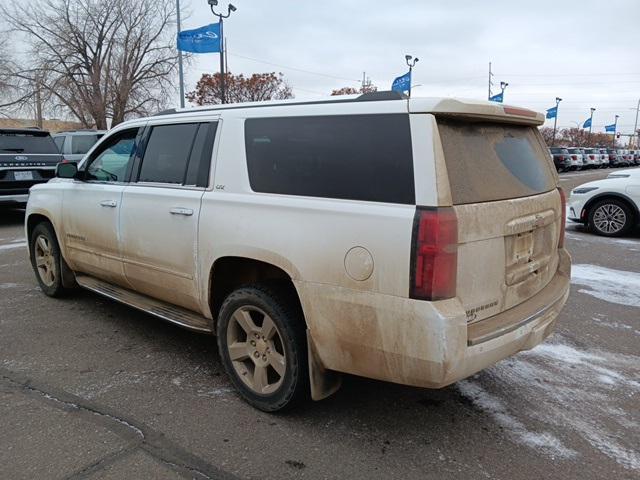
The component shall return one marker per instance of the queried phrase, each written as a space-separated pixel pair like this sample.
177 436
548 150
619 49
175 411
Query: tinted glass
59 141
200 160
27 142
167 153
111 161
357 157
488 162
80 144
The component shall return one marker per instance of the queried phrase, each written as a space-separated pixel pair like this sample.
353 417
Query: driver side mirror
67 170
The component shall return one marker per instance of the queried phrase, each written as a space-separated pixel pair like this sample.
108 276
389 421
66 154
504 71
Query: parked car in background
28 156
604 157
577 154
562 159
615 158
593 157
75 143
609 207
315 238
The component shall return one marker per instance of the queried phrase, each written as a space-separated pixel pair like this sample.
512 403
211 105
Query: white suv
413 241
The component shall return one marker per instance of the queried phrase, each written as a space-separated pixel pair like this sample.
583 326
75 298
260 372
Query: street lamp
555 121
615 130
590 123
221 17
411 62
503 87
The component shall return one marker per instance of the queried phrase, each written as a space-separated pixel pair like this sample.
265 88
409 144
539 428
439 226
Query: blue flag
552 112
498 97
610 128
402 84
200 40
587 123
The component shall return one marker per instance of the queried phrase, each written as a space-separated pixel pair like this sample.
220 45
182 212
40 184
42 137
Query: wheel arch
615 195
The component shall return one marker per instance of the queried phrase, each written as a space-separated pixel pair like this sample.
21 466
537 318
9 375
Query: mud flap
67 275
323 382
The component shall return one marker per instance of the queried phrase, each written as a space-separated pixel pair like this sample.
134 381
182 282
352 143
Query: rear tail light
575 157
563 221
561 157
434 254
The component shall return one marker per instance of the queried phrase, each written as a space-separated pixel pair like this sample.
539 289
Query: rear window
27 142
81 144
489 162
356 157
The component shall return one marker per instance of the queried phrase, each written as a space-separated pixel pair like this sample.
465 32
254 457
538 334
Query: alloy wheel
256 350
609 218
45 261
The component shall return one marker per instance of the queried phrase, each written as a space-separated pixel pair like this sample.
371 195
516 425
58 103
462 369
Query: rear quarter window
356 157
489 162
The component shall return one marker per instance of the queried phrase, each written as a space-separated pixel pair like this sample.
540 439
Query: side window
80 144
167 154
200 160
357 157
59 141
110 162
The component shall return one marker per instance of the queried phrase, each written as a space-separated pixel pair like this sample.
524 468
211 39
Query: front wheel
46 260
262 344
610 218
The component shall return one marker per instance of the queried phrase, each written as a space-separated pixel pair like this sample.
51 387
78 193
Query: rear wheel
46 260
262 344
611 218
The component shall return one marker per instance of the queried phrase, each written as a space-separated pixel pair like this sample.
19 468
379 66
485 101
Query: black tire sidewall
611 201
45 229
285 314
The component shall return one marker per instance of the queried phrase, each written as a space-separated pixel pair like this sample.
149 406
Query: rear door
161 209
503 188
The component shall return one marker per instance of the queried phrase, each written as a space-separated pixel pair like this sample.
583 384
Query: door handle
108 203
181 211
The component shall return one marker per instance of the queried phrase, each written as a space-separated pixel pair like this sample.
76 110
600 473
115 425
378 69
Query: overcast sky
584 51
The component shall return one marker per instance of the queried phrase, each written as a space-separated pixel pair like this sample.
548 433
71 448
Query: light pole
590 123
411 62
635 127
555 122
615 129
221 17
180 71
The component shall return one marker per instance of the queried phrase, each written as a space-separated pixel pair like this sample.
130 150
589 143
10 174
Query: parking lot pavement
93 389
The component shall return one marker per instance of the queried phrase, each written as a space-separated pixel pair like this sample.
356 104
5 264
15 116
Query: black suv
27 156
561 159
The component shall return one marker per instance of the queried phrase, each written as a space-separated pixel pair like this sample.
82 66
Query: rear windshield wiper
17 150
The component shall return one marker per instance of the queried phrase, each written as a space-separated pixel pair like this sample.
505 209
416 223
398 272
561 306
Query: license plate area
22 176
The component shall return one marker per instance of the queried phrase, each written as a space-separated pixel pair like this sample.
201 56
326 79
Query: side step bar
171 313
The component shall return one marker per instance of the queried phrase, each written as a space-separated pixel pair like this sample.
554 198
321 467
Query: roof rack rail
365 97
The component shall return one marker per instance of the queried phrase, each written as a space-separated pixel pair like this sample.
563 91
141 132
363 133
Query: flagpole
180 71
555 122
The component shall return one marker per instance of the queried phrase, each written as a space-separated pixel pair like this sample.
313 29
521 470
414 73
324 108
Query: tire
46 260
270 365
611 218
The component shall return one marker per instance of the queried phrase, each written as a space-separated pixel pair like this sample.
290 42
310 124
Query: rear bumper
424 344
13 199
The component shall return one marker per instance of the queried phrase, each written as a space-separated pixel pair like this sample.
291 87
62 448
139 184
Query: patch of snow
565 389
11 246
5 286
544 441
614 286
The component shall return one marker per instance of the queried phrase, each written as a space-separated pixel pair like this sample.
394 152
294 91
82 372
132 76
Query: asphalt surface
93 389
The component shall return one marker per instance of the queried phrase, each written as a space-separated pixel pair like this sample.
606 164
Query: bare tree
98 59
367 88
238 88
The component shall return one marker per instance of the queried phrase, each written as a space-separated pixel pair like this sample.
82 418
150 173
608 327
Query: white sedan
609 207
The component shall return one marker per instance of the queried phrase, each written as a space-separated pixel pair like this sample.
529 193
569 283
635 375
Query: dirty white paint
11 246
561 387
615 286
